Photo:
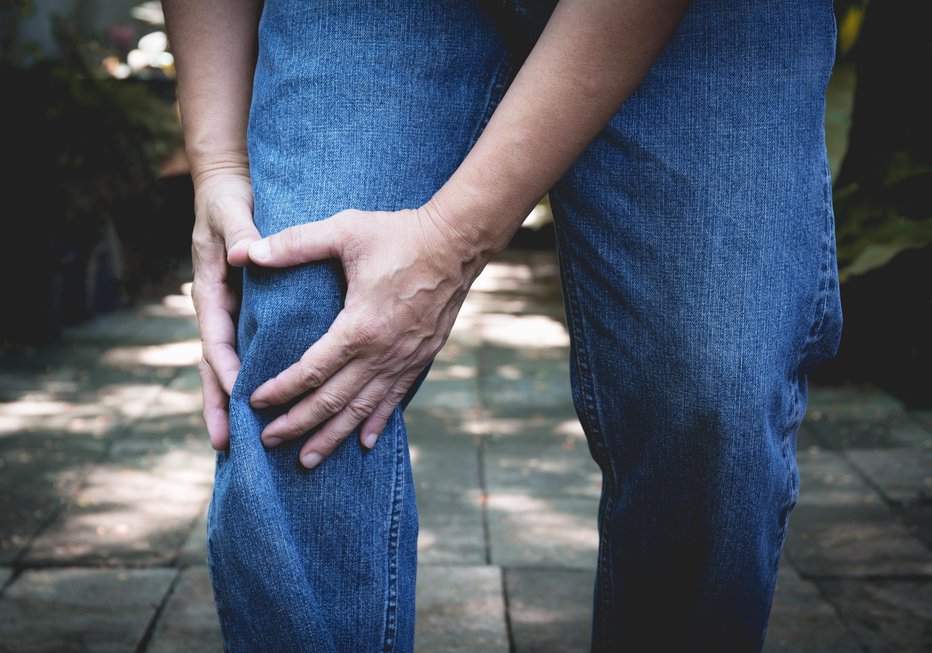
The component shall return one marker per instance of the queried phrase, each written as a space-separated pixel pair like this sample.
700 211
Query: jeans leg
355 105
696 240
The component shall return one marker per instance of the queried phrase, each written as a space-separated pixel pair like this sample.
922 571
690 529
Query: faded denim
697 249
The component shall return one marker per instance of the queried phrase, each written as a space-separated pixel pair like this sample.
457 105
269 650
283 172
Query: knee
724 379
283 312
295 301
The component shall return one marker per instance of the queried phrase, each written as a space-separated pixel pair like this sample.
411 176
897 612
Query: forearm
214 43
589 59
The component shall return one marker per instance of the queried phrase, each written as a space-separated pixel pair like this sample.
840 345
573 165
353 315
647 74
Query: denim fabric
697 250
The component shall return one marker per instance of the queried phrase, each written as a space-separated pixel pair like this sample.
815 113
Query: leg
696 241
354 106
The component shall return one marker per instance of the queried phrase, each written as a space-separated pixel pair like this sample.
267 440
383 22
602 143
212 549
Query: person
362 161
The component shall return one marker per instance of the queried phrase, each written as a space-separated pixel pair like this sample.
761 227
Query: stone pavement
105 475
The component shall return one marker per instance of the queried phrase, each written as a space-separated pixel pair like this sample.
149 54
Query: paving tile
39 471
807 439
53 368
78 610
529 530
868 540
189 620
801 621
903 475
917 518
923 417
5 574
450 529
444 458
460 610
550 610
146 324
137 511
546 426
124 401
558 466
858 401
530 274
161 433
194 549
518 379
826 479
895 430
451 386
888 616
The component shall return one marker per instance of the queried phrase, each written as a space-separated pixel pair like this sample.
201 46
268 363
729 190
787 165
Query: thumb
238 230
313 241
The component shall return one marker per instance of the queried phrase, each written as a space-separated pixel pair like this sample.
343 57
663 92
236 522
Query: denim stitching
816 331
391 608
585 380
815 334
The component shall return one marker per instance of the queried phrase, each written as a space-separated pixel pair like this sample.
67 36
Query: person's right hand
223 229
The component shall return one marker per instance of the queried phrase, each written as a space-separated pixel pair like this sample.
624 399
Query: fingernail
370 440
260 250
311 459
272 441
258 403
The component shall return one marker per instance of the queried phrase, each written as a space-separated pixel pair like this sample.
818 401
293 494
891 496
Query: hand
223 229
407 277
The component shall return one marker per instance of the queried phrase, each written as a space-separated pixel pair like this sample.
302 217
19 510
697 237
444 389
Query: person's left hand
407 276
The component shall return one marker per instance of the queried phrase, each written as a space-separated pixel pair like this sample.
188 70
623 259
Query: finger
231 216
216 415
337 429
218 332
372 427
324 359
313 241
321 405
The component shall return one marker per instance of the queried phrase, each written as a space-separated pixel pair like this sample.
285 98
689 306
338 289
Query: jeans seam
391 607
585 380
814 335
816 330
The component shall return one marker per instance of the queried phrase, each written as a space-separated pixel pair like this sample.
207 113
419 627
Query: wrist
477 222
206 165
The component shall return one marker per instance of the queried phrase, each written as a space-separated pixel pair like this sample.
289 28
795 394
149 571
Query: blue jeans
697 250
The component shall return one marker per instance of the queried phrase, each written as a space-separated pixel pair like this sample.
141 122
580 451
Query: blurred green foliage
882 203
80 141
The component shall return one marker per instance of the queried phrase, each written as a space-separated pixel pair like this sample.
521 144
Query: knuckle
331 440
365 334
388 355
361 407
293 429
275 394
200 240
342 223
368 332
196 292
437 342
330 403
310 376
394 396
292 239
